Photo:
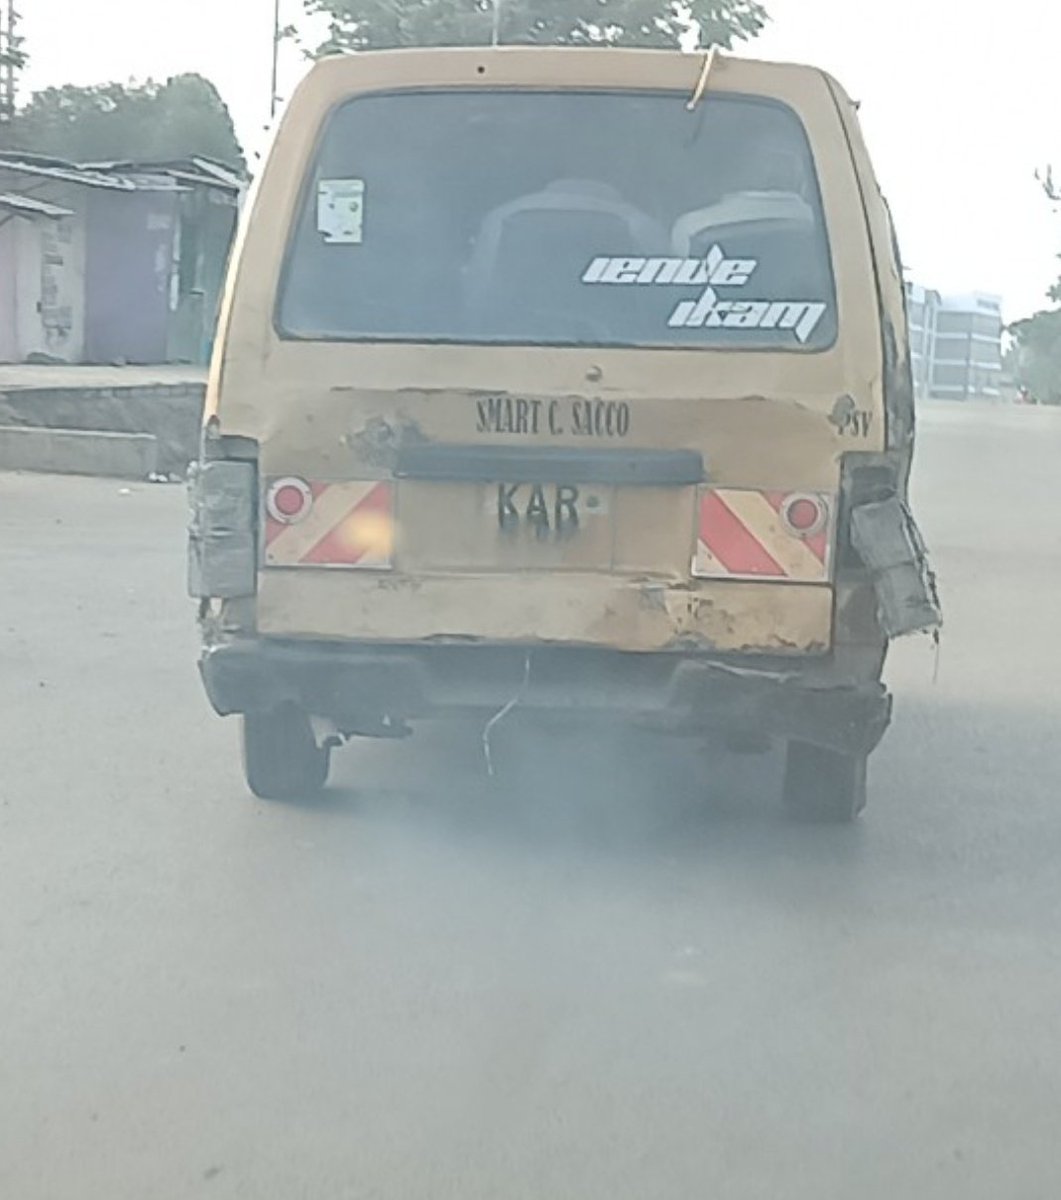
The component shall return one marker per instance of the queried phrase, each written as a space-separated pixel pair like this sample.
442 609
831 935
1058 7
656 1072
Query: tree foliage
384 24
1039 355
1038 338
113 121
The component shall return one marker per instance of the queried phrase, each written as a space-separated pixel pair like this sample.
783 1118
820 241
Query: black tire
824 786
281 758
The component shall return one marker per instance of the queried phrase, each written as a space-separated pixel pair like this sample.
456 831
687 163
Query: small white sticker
341 211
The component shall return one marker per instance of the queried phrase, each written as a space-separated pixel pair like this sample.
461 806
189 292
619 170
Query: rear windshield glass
575 218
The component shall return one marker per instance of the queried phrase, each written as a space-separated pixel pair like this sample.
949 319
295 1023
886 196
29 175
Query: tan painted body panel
629 614
327 411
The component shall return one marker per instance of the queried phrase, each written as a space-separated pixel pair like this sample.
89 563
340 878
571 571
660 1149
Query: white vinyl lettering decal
710 310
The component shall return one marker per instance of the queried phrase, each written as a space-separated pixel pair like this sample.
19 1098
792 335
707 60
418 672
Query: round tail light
805 516
289 500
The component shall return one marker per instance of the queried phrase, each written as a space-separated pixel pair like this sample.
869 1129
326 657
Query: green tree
1037 339
112 121
1038 342
383 24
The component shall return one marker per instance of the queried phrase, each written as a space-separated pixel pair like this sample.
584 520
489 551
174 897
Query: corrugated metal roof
29 206
149 181
199 172
128 176
25 164
181 177
225 174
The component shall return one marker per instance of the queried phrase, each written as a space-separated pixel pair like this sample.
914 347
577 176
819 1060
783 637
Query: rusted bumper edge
356 685
887 539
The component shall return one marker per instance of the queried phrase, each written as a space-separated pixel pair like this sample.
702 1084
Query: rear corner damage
886 538
883 544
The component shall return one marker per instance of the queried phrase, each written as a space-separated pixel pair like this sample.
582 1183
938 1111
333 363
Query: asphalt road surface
631 980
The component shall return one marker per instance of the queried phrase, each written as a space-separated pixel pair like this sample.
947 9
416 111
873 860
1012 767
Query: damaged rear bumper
357 685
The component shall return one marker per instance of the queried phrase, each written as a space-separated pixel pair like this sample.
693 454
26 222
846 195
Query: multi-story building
967 364
956 344
922 306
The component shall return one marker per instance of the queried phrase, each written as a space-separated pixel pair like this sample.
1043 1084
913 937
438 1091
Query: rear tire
281 758
824 786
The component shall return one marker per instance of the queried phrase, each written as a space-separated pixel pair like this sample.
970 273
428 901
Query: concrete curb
172 414
78 452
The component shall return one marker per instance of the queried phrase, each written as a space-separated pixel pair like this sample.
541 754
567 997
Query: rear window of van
562 218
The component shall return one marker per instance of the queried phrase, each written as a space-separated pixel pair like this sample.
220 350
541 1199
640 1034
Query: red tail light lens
805 515
289 501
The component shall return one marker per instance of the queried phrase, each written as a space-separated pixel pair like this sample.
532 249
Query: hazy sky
959 102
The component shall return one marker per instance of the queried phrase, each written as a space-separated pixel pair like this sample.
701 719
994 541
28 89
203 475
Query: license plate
559 510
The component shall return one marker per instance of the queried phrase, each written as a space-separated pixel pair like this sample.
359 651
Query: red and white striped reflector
750 534
347 524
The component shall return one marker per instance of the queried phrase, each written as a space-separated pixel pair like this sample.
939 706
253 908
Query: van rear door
573 365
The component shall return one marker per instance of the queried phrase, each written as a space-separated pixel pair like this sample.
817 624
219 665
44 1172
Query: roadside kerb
78 452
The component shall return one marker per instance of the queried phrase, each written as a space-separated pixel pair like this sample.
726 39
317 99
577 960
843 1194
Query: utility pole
495 39
274 99
10 61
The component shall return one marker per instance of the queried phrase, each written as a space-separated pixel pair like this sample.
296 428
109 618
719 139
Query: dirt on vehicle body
570 378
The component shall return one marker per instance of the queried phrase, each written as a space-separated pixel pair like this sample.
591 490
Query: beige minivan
572 380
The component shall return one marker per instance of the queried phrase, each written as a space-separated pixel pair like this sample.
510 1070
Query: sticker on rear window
710 310
341 211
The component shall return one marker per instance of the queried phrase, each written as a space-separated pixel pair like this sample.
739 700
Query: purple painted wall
128 276
8 324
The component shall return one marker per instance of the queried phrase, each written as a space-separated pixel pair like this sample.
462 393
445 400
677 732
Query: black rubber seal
548 464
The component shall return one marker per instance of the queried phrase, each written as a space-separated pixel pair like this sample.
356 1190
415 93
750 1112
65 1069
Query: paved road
644 985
